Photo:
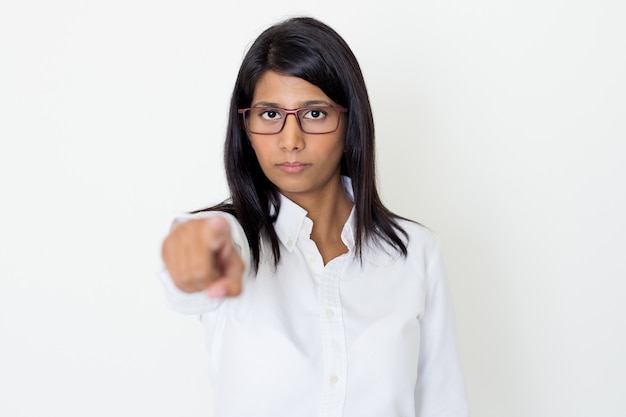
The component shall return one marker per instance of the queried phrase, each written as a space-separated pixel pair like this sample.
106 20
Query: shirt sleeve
440 389
199 302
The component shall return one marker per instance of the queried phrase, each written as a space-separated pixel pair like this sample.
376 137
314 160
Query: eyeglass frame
286 113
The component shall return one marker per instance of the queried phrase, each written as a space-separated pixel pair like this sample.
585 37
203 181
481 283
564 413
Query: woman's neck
329 213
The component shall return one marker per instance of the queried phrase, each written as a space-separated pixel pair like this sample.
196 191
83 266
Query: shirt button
334 379
290 243
330 313
311 259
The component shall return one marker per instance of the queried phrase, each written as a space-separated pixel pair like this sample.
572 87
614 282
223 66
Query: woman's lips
292 167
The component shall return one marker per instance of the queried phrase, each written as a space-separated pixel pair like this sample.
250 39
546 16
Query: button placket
333 340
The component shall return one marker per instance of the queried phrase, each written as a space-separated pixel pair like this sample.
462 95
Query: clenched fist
200 255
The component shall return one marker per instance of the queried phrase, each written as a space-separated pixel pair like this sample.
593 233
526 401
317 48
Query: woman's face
300 165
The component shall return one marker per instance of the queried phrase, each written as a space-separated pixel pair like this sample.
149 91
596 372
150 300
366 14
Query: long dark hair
308 49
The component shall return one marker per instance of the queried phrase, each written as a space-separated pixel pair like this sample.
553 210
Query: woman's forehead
286 91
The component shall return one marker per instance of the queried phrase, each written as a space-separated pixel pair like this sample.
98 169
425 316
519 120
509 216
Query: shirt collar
292 221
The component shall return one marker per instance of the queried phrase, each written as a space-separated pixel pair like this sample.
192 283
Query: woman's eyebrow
265 104
316 102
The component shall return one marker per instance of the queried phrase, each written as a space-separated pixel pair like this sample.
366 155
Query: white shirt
346 339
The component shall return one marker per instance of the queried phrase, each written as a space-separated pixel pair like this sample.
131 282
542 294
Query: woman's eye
314 114
270 115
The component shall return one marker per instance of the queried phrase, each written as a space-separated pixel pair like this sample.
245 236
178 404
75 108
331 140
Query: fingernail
218 292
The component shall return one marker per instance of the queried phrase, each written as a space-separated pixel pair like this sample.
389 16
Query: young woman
315 298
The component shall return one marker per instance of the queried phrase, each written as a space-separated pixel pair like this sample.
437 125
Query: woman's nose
291 137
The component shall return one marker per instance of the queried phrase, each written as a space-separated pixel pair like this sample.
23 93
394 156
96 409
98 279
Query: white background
500 125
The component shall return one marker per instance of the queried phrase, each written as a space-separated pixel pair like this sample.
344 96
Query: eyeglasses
271 120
